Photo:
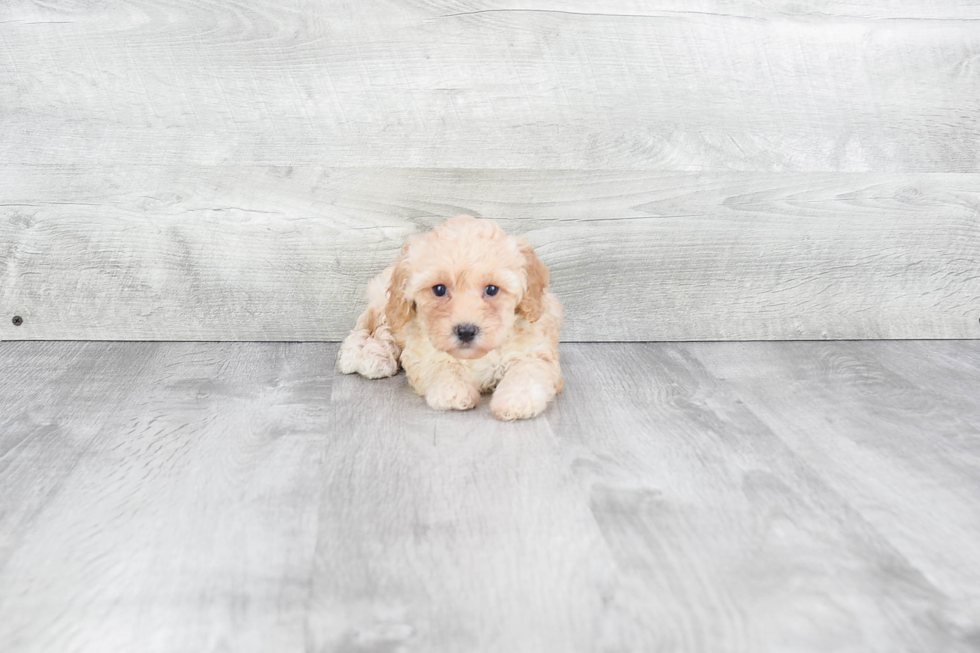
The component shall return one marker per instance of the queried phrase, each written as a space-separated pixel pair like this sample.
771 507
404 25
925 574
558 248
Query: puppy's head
467 282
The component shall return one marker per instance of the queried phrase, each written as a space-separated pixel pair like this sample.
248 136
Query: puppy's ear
399 308
532 303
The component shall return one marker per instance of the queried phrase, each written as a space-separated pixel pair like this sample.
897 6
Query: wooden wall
706 169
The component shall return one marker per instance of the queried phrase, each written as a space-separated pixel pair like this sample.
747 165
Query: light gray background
688 170
775 497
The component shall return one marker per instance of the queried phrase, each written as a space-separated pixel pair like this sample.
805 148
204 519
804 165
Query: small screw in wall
18 320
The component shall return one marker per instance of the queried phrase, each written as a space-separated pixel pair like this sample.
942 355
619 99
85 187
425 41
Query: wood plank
211 253
894 428
829 9
188 522
53 399
711 85
726 538
710 497
450 532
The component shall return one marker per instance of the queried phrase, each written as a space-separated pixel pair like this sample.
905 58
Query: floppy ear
399 309
532 303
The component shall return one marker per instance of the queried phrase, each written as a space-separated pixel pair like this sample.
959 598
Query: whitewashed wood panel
889 416
225 253
451 532
733 535
708 85
159 497
689 498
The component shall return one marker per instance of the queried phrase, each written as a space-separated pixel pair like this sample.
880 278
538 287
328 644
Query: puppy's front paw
452 394
370 357
519 401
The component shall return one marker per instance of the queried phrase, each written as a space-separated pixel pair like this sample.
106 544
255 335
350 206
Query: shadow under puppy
465 309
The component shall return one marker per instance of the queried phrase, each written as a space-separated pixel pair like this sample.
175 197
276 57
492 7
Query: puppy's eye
439 290
491 290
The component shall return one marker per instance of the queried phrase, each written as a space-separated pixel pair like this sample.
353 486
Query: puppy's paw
519 401
370 357
377 362
452 393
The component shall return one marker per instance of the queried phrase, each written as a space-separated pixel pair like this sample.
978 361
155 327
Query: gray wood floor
715 497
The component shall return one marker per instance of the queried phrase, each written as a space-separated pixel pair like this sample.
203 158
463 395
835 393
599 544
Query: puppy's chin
467 353
463 352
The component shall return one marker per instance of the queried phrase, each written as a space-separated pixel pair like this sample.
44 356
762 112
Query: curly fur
515 352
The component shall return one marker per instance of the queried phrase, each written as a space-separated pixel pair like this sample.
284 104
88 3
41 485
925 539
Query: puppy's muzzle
465 333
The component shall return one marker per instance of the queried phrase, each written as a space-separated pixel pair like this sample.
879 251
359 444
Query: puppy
465 309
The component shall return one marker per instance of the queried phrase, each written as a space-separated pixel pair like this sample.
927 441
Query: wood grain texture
731 538
246 253
451 532
594 84
697 498
157 497
690 170
905 411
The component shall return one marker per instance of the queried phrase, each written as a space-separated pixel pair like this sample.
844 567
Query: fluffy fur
406 324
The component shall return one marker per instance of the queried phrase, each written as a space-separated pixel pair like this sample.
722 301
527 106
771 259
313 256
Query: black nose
465 332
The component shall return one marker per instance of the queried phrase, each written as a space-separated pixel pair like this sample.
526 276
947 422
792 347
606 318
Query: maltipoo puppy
465 309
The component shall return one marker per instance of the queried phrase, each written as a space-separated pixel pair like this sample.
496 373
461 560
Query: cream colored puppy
465 309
